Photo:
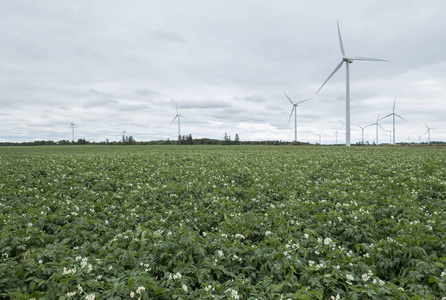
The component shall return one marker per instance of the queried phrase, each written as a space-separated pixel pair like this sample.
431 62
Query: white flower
306 235
204 233
140 289
443 274
311 263
267 232
239 236
132 294
184 287
80 289
220 253
208 288
234 293
40 261
327 241
71 294
90 297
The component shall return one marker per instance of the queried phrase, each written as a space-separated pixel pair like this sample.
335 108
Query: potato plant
216 222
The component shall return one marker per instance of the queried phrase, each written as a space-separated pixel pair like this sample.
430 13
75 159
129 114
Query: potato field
222 222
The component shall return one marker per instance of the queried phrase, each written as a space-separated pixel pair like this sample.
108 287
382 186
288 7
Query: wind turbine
390 135
72 131
348 60
393 114
336 137
179 116
362 131
377 125
320 135
428 131
294 109
419 139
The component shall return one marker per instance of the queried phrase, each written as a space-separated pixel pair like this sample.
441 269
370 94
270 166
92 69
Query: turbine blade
364 58
426 126
386 116
394 102
174 119
293 109
303 101
400 117
377 119
381 127
332 73
288 98
340 41
360 126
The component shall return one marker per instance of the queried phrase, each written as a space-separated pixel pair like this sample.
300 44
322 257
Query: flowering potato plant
242 222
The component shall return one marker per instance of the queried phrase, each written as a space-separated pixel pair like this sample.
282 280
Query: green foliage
215 222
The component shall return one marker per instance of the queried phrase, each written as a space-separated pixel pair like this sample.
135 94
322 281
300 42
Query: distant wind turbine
362 131
72 130
419 139
179 116
336 137
428 131
320 135
390 136
393 114
294 109
348 60
377 125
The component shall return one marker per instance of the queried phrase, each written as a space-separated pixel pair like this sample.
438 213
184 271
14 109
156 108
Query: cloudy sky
113 65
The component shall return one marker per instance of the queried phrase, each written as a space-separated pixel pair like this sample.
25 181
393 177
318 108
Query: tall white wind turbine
428 131
377 125
294 109
348 60
179 116
393 114
72 130
362 131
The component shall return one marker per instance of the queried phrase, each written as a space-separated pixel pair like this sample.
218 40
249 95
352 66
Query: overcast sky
112 65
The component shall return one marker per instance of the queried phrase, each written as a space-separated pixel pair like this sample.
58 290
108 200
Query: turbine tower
72 130
393 114
428 131
348 60
294 109
362 131
377 125
179 116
